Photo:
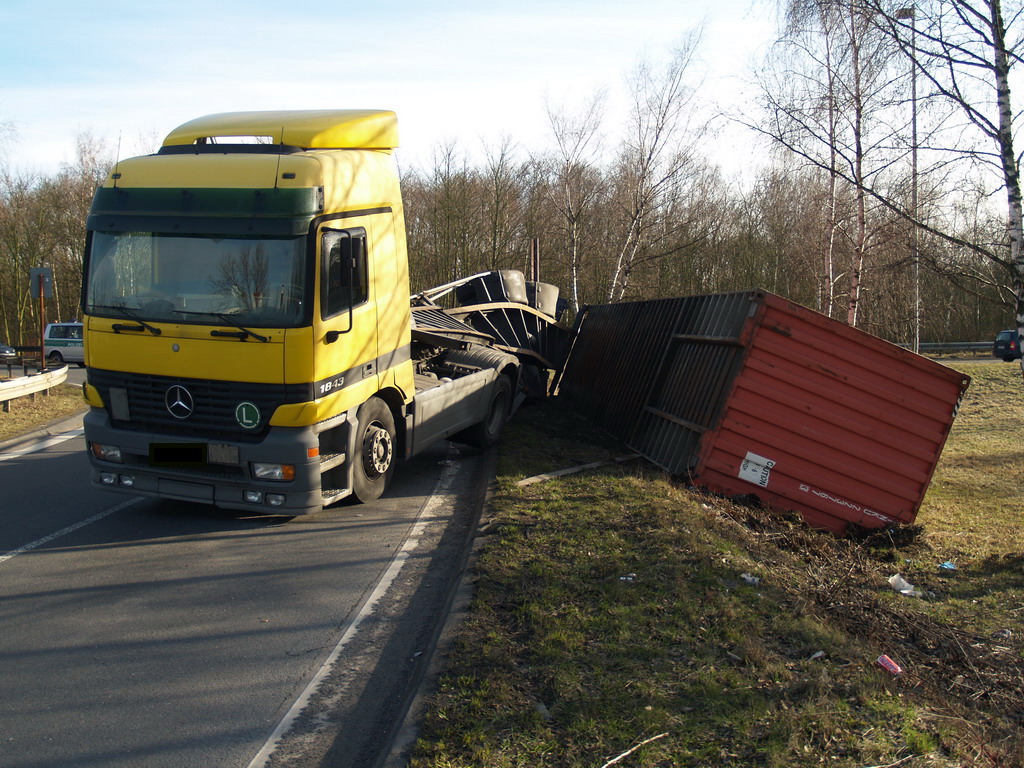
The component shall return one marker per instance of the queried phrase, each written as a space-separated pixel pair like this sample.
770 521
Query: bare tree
242 276
830 103
782 227
577 183
24 243
966 50
504 180
443 228
812 46
7 135
66 198
656 155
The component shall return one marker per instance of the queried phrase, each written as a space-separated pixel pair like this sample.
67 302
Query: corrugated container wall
748 393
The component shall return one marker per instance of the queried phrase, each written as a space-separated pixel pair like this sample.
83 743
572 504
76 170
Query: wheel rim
378 450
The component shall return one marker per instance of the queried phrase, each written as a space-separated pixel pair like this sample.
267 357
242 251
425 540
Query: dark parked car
1007 345
6 352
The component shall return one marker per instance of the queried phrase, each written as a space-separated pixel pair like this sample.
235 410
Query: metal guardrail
957 346
27 385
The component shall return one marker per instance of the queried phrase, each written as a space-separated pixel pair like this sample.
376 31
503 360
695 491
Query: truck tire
488 432
375 450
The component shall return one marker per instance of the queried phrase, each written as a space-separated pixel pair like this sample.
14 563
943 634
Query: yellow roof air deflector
308 129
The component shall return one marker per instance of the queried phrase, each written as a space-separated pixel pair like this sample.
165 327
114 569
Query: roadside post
40 285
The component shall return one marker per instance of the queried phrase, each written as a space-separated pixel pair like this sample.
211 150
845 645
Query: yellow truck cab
247 319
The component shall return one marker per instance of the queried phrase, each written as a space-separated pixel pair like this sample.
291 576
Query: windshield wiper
118 327
241 334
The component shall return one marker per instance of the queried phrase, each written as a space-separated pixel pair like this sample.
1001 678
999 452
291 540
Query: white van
63 342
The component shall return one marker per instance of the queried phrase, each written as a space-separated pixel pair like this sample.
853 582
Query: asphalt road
142 633
76 375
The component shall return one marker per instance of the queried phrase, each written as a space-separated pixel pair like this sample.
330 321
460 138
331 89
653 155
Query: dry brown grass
29 413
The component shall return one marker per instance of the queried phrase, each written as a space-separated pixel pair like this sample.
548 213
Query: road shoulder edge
397 755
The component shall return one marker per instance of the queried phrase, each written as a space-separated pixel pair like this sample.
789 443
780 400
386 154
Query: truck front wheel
375 450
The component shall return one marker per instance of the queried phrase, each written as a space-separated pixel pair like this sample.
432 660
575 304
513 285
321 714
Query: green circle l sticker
248 415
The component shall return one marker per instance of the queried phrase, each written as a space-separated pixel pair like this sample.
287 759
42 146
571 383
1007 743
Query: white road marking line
44 443
442 494
70 529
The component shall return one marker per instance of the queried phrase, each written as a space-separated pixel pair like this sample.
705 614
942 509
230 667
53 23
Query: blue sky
453 70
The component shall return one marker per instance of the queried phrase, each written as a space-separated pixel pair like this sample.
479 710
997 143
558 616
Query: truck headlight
276 472
106 452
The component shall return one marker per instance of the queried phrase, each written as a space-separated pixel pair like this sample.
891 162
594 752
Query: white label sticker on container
756 469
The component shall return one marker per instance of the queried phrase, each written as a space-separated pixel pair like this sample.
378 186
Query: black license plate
177 454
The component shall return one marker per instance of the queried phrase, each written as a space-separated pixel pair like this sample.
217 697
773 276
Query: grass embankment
29 413
613 607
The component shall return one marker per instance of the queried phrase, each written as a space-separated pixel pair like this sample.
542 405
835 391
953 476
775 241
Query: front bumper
224 482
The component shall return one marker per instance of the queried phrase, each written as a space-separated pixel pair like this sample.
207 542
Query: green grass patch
615 606
29 413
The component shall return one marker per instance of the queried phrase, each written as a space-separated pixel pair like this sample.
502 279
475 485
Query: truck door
347 353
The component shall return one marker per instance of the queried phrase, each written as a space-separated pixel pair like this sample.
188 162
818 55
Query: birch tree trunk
1011 170
858 127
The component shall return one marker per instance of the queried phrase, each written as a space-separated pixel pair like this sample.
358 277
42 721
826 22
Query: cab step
331 495
329 461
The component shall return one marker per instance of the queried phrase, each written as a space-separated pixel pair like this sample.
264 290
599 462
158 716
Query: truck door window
344 275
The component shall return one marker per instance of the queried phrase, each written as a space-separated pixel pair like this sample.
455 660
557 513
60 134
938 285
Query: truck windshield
191 279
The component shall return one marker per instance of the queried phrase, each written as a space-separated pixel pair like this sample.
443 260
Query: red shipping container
749 393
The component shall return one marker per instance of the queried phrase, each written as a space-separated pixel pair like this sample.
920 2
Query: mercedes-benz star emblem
179 402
